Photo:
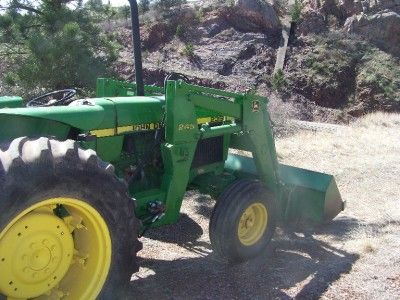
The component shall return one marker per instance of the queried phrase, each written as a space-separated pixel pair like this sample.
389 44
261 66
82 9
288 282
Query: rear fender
11 102
13 126
50 121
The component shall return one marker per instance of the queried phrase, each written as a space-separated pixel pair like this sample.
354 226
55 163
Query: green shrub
332 21
144 6
10 79
62 47
200 15
278 80
180 31
6 21
295 11
167 4
380 71
230 3
188 50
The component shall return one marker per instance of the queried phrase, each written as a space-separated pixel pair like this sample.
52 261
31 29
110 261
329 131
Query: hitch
157 212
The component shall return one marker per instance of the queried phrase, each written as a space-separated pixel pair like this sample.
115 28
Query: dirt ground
357 256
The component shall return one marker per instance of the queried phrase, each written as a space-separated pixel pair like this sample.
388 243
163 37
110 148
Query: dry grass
369 246
355 257
365 158
366 153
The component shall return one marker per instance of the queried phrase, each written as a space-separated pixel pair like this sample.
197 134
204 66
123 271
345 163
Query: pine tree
144 6
167 4
59 45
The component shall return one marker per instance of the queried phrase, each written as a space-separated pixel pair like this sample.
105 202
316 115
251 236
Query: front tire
67 224
243 221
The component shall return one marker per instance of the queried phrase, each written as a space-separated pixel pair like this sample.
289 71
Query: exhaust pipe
137 51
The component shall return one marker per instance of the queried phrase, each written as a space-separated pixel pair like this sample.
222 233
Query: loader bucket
310 196
304 195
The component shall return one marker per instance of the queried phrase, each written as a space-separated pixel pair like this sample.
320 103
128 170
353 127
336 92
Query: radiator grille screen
208 151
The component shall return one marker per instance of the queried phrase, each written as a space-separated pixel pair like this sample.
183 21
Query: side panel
11 102
139 110
85 117
16 126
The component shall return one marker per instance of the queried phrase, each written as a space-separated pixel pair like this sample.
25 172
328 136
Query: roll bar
137 50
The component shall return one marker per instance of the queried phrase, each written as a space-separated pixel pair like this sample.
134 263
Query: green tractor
82 180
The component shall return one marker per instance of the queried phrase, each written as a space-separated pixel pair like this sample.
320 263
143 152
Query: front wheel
67 226
243 221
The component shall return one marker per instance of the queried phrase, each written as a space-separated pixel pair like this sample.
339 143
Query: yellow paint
42 255
124 129
213 119
186 126
150 126
103 132
203 120
252 224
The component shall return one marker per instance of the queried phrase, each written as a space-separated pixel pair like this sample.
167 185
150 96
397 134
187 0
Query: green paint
304 194
10 102
122 128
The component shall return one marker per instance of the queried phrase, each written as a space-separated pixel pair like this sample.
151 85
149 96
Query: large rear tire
243 221
67 224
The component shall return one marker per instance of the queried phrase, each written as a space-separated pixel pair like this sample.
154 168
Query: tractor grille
208 151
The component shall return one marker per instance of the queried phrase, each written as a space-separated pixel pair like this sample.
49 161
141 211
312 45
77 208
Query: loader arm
299 193
245 126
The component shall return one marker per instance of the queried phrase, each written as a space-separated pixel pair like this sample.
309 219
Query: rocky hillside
342 60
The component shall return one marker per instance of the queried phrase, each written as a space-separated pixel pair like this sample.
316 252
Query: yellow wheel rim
252 224
49 256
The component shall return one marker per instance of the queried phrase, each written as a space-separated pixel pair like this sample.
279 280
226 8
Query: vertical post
137 51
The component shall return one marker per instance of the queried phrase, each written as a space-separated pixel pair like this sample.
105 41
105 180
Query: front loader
81 180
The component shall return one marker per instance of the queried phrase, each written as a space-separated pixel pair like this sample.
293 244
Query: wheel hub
39 259
252 224
35 253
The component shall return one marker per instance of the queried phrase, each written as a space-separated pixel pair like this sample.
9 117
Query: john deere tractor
81 180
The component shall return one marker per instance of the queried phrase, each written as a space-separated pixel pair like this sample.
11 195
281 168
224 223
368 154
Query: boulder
252 16
350 7
312 22
382 29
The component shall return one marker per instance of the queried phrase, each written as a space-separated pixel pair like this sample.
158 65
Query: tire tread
22 156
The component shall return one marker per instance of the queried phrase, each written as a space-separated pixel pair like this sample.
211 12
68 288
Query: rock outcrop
312 22
344 72
329 75
382 29
252 15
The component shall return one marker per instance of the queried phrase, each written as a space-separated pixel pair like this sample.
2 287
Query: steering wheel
55 98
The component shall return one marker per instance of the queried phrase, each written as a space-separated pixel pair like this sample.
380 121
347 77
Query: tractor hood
86 115
10 101
52 121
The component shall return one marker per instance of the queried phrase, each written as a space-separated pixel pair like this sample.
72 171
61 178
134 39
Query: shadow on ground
296 265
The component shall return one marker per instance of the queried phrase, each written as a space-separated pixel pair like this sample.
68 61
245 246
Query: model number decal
187 126
154 126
